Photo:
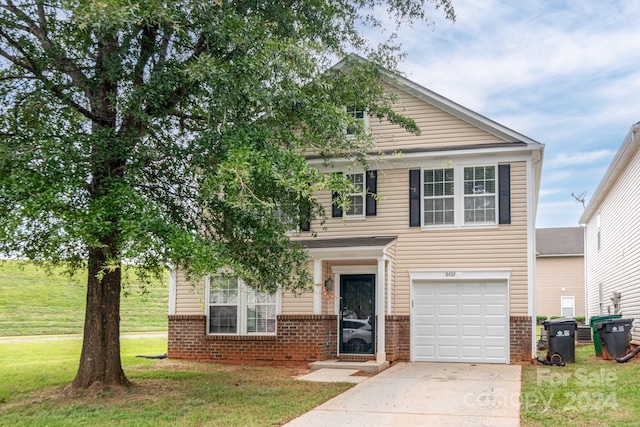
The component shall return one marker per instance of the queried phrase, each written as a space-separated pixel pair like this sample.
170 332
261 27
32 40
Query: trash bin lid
559 321
601 317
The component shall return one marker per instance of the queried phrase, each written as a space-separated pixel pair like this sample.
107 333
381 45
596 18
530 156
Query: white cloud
579 158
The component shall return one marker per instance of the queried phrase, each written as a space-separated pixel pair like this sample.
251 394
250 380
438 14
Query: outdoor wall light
328 284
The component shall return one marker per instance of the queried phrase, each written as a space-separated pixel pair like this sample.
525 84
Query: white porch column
317 286
381 354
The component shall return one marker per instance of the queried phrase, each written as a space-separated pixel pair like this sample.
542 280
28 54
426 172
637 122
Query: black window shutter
336 211
305 215
414 198
372 190
504 195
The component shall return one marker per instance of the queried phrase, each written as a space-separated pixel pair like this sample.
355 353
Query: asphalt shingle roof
560 241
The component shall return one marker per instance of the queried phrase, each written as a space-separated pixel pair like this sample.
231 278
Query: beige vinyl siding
553 274
438 128
296 303
189 297
493 248
617 264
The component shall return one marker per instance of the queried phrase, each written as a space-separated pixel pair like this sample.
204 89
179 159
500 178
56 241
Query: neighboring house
440 266
560 272
612 238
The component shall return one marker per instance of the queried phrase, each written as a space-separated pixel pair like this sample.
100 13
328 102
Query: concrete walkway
421 394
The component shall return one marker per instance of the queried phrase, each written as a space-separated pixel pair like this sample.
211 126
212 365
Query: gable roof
447 105
625 153
568 241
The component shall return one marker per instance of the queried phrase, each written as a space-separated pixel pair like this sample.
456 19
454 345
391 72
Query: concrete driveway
426 394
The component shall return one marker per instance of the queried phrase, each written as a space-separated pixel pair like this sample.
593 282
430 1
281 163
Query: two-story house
433 261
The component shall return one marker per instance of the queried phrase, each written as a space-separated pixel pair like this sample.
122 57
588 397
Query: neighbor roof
568 241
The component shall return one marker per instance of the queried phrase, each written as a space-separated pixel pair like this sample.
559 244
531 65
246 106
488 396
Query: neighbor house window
238 309
459 195
567 305
357 195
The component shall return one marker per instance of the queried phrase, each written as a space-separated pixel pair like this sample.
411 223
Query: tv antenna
580 198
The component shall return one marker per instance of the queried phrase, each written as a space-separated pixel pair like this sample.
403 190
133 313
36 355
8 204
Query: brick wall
521 335
305 338
397 337
299 338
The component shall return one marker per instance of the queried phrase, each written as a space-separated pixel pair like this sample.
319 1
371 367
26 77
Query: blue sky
564 73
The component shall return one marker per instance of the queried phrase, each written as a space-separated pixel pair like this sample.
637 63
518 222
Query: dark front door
357 315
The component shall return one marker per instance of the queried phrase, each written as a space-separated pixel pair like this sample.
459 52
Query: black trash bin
615 336
597 346
561 338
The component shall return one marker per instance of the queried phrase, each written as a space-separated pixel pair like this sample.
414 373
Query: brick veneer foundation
521 338
305 338
299 338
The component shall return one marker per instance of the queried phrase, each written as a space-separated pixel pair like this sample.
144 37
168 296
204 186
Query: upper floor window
357 113
459 195
357 195
480 195
438 196
238 309
362 196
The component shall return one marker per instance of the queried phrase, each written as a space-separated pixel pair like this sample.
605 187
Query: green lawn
36 303
165 393
590 392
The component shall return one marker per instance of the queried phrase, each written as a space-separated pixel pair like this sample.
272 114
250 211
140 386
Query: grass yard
166 393
36 303
590 392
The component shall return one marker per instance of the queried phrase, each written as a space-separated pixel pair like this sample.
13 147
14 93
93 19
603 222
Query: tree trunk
100 363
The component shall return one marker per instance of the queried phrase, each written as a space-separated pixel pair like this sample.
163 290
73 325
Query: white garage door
460 322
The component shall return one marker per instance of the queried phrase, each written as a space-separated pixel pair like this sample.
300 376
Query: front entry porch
361 269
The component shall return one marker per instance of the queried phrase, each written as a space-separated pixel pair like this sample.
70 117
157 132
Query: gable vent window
358 114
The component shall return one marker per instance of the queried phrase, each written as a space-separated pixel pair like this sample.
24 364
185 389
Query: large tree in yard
175 132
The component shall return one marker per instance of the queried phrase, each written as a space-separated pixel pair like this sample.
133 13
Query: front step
368 366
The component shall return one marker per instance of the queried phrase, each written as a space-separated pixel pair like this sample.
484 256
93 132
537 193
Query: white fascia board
348 253
625 153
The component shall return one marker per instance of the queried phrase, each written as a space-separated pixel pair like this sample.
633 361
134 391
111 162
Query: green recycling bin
597 345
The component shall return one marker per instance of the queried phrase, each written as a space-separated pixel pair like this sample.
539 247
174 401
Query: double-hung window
235 308
480 195
357 195
459 196
438 196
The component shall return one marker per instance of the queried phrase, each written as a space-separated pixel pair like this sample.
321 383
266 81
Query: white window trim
362 194
573 305
365 118
458 198
241 310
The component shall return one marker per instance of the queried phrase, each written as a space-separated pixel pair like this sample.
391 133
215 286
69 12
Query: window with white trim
357 113
480 195
235 308
567 306
459 195
438 196
357 195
